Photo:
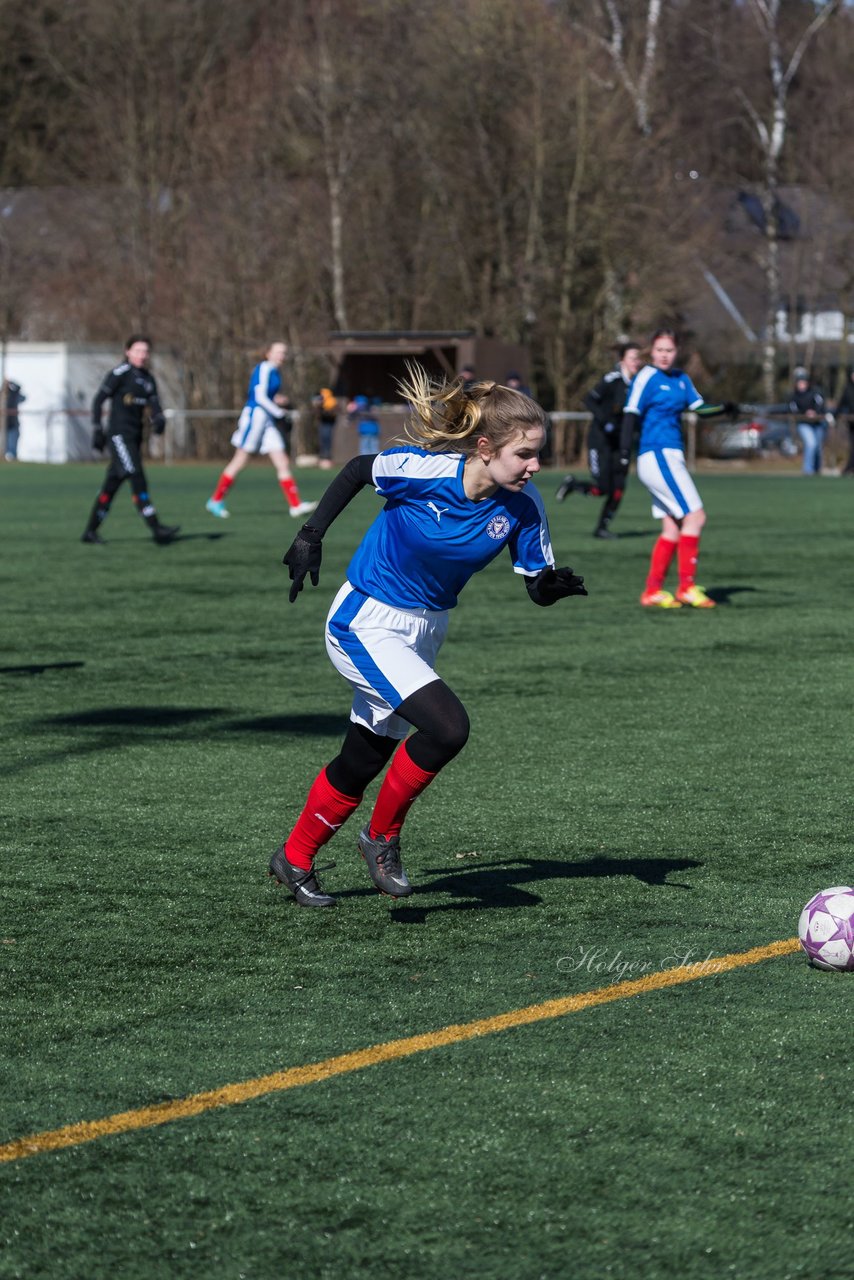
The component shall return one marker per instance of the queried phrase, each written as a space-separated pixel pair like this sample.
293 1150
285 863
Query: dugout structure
372 363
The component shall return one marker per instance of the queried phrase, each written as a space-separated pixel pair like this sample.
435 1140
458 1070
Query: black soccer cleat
602 531
304 885
384 866
91 535
565 488
165 533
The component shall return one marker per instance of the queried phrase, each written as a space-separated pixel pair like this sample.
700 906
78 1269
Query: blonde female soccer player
455 497
259 431
659 396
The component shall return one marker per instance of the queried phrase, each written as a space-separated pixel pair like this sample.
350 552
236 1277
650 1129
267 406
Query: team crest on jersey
498 527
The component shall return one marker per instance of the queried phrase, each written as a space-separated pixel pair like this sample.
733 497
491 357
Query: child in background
368 425
326 405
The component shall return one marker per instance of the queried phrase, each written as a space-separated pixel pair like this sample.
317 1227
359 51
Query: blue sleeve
694 397
638 398
530 544
265 390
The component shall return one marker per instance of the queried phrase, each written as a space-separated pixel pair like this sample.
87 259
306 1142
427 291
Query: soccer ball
826 928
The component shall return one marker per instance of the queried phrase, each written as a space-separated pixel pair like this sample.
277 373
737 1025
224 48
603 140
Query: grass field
640 792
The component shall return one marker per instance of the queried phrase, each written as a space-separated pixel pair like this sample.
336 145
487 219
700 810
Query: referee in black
131 390
605 402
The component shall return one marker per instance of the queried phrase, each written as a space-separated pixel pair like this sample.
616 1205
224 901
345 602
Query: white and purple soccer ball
826 928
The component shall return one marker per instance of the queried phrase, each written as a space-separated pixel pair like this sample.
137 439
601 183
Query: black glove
732 409
99 439
158 426
303 557
551 585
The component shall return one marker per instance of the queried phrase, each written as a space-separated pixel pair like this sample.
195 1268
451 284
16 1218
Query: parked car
747 439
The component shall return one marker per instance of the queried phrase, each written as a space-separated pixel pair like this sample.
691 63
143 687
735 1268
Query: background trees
222 171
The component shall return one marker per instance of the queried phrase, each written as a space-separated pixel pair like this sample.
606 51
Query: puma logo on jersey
402 464
333 826
440 511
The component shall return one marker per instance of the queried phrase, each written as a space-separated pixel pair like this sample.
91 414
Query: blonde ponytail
449 417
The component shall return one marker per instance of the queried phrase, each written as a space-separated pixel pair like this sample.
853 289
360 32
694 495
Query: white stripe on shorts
665 474
386 654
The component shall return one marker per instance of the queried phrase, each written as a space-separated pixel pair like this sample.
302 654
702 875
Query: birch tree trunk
771 133
570 249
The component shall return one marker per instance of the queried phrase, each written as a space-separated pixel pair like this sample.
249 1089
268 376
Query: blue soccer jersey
263 385
659 399
430 537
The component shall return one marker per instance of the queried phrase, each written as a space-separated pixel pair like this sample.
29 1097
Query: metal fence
64 434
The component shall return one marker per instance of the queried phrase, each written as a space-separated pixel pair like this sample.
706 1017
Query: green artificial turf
640 788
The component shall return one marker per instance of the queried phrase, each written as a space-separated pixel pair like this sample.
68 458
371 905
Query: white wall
39 368
59 380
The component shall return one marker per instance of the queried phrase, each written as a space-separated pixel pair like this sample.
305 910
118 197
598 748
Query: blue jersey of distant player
430 537
660 399
264 383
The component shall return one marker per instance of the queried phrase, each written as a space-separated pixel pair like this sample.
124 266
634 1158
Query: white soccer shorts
664 473
257 432
386 654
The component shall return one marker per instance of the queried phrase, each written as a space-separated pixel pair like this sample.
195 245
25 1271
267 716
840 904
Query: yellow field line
228 1095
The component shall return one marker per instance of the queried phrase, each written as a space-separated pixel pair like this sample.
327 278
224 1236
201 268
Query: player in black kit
605 402
131 390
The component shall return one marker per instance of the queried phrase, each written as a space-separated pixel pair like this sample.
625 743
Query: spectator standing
326 406
132 393
808 404
367 425
515 383
262 428
605 402
14 399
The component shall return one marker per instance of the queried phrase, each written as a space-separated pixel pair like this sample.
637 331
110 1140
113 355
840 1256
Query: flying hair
447 416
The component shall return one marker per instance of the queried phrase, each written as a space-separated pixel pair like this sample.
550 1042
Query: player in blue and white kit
259 430
455 498
659 395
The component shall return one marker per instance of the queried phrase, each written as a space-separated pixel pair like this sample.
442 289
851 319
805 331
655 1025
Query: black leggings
604 458
125 464
441 726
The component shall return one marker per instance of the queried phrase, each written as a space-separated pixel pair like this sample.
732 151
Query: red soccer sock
325 811
402 784
225 483
662 554
290 490
689 548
